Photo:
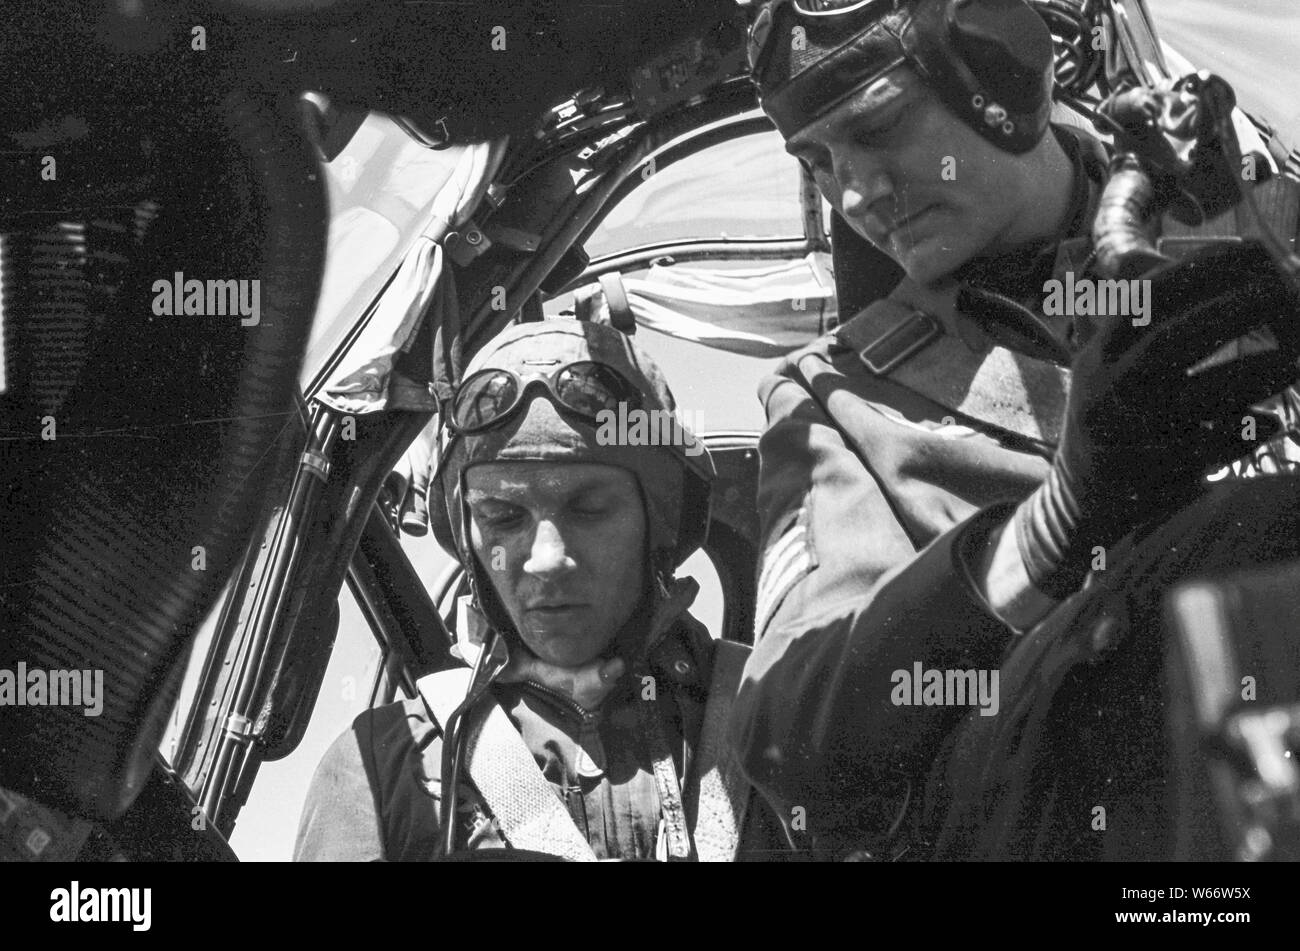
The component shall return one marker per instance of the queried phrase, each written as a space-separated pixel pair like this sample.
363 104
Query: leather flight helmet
989 61
675 479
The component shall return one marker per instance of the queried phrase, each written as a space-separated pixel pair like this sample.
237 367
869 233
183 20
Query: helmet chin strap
632 641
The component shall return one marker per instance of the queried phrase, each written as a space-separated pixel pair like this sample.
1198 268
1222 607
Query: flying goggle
489 397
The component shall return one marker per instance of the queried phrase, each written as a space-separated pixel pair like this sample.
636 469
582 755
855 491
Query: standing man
594 725
949 466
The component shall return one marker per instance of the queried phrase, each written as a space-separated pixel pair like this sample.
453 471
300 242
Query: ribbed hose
61 278
161 449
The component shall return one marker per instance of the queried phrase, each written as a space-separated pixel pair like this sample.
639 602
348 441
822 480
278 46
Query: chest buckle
897 344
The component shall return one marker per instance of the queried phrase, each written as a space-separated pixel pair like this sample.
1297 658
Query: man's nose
862 180
548 553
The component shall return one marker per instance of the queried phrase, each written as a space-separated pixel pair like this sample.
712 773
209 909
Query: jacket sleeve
846 598
340 819
375 795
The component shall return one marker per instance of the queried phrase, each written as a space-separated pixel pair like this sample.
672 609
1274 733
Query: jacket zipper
586 719
565 700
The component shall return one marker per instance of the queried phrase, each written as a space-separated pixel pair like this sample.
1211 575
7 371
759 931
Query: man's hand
1141 430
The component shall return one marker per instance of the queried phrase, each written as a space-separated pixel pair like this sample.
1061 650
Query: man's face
564 545
911 177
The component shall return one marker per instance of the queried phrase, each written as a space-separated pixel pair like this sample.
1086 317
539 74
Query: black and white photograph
651 431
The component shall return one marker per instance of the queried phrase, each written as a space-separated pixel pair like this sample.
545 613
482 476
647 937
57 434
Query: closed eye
498 515
872 135
591 514
591 506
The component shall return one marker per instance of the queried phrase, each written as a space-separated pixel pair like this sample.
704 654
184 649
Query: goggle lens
483 399
586 388
590 388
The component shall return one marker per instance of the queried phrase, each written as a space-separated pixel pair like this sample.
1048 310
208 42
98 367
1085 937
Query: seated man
603 691
954 462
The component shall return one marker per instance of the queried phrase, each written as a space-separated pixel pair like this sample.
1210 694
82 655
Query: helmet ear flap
485 597
693 526
439 502
991 62
459 544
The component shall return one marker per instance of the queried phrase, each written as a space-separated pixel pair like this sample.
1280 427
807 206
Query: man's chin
929 262
568 649
566 660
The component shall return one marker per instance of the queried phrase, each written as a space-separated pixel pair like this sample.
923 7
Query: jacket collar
1016 276
1020 271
